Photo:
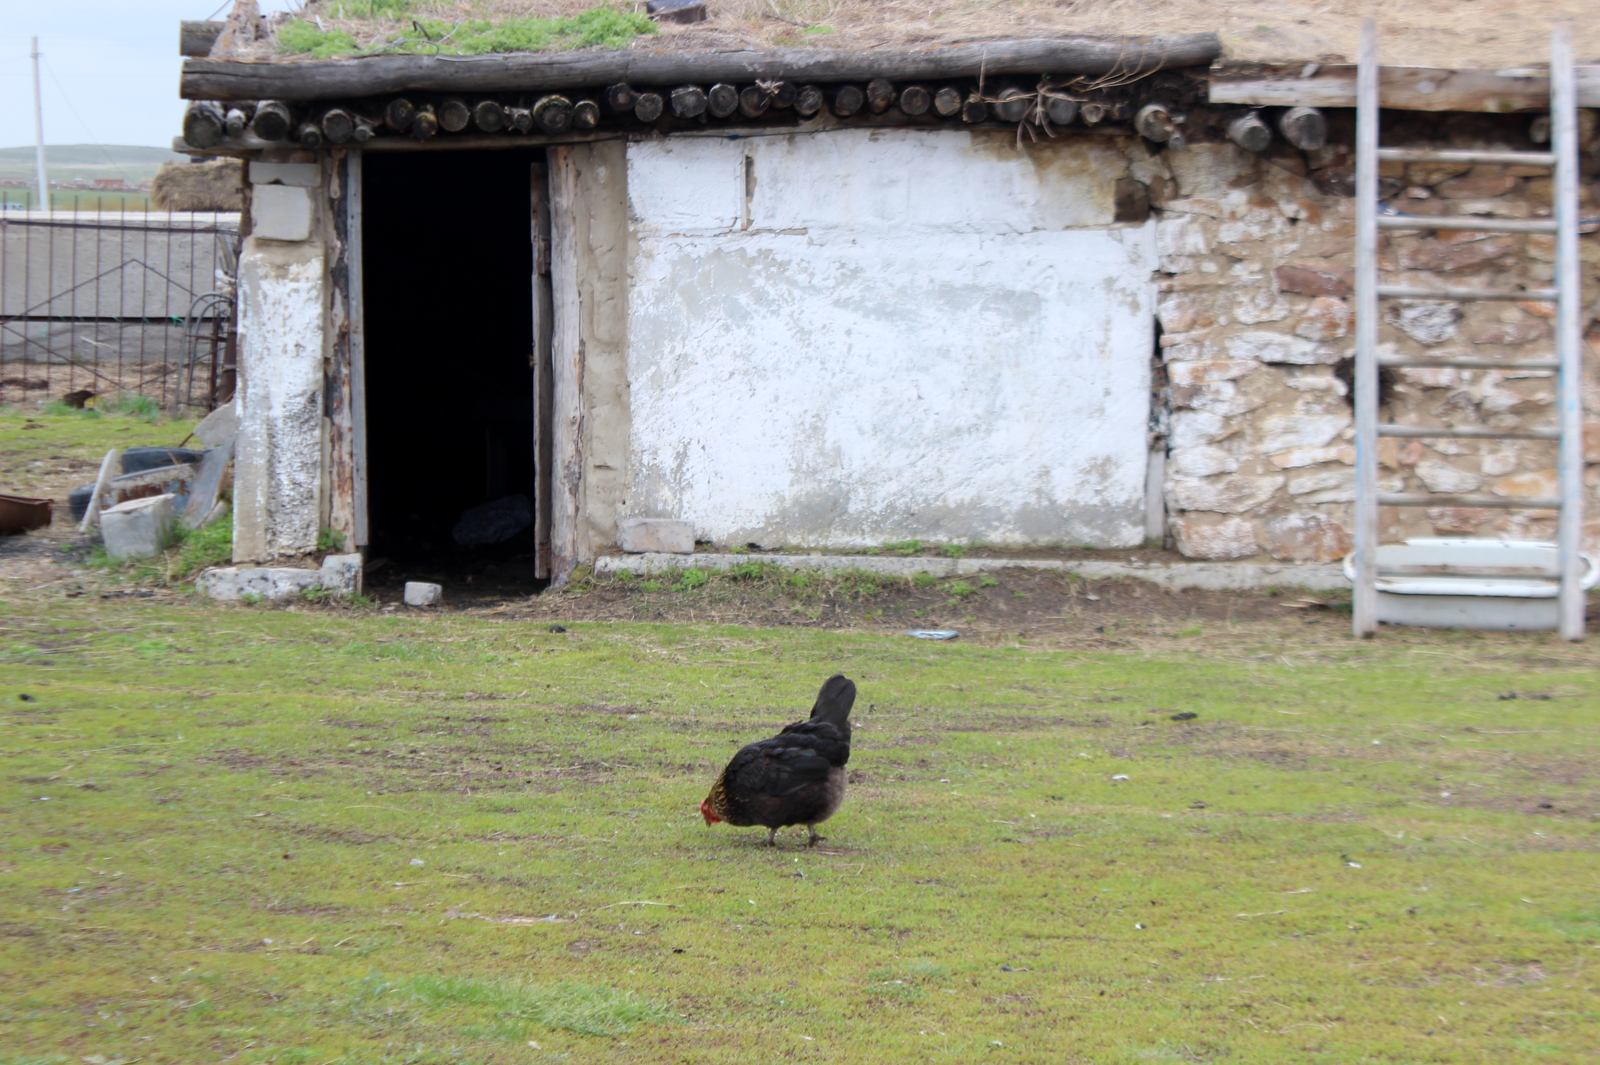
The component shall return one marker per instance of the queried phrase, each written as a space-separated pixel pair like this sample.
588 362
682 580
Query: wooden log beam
399 114
973 108
1060 110
754 101
195 38
1010 104
217 79
647 107
784 93
236 121
553 114
454 115
425 124
847 100
1405 88
338 125
915 100
585 115
521 118
947 102
310 136
809 100
880 95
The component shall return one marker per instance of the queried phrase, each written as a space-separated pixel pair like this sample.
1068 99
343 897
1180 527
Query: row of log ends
207 124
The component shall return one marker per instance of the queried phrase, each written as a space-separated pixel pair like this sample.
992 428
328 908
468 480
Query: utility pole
38 131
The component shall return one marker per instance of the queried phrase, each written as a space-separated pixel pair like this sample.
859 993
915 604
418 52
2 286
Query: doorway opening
449 313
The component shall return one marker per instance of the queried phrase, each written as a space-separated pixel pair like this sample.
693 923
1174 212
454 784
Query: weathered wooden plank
566 368
216 79
360 530
543 334
1405 88
337 383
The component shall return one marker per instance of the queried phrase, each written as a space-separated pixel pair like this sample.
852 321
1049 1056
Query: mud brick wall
1256 278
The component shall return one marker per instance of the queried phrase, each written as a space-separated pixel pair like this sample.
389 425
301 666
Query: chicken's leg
815 839
772 838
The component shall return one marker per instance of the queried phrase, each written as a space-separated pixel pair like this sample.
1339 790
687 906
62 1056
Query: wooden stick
722 100
1250 133
688 101
454 115
1010 104
621 97
399 114
425 124
648 107
754 101
1155 122
489 116
338 125
235 122
880 95
521 118
915 100
1304 127
203 125
310 135
214 79
553 114
847 100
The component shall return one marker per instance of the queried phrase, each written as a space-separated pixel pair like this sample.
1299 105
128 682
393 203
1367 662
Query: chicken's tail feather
834 701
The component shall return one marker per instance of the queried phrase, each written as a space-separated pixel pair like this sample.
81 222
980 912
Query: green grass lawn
319 836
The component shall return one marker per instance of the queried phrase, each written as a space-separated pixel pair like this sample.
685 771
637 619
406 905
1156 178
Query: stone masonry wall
1255 310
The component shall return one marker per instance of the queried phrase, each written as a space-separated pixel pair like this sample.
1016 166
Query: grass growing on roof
281 835
599 27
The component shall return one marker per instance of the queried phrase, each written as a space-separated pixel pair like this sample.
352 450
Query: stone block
420 593
1323 481
1301 536
1433 173
1591 442
1192 428
1315 280
1476 186
220 426
1201 371
231 583
1512 333
341 574
139 528
637 536
1428 322
1219 397
1440 255
1200 461
1255 306
1279 348
1544 482
1199 537
1431 376
280 212
1313 456
1301 430
1458 519
1442 477
1226 495
1326 319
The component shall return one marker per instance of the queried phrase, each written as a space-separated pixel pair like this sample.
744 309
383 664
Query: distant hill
69 162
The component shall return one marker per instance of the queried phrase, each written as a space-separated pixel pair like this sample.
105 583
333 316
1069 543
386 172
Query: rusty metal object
18 514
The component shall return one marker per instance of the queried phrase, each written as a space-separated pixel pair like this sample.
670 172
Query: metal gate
117 304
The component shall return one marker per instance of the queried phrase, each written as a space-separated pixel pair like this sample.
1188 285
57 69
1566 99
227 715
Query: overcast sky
110 68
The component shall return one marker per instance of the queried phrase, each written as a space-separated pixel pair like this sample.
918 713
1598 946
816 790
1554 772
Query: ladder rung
1464 222
1413 292
1471 362
1426 155
1469 433
1430 499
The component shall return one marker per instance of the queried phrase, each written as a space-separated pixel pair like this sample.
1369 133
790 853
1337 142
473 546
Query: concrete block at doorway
139 528
338 575
638 536
280 212
420 593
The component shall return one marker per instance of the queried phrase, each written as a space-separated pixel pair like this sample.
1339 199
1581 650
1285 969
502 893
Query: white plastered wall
864 336
283 307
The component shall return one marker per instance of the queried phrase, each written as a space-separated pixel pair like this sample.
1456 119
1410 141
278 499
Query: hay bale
214 185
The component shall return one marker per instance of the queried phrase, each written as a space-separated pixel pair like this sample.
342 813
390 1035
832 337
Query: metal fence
117 303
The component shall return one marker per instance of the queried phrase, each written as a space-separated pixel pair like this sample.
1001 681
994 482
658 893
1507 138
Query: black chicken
795 778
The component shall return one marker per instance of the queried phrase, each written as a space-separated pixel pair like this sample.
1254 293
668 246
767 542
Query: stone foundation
1255 311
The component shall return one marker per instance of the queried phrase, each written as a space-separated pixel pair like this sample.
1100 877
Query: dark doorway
448 309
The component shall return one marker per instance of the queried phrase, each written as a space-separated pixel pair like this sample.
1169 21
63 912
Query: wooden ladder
1565 292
